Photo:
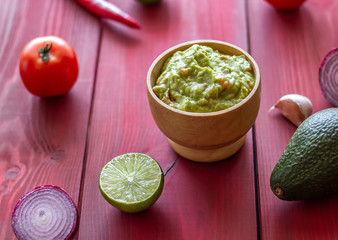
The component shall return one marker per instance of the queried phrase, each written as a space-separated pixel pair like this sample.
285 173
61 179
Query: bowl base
207 155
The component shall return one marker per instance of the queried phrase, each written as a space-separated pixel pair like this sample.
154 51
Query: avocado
308 167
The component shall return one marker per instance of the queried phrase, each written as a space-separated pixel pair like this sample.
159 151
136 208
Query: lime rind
131 182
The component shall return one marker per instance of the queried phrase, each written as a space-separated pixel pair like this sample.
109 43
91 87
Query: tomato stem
44 52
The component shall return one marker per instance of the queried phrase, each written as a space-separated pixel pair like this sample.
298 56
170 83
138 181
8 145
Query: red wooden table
65 141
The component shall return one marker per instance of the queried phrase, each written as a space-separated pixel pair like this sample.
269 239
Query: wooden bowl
205 137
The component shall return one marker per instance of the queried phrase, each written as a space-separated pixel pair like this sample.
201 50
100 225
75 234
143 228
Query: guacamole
200 79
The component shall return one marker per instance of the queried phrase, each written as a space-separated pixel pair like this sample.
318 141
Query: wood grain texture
42 141
289 47
200 201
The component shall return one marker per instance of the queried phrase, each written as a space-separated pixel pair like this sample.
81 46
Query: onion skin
46 212
328 72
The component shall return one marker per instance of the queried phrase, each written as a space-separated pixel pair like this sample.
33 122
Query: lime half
131 182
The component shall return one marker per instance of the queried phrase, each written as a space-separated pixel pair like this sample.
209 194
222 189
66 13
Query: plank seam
254 145
257 197
85 157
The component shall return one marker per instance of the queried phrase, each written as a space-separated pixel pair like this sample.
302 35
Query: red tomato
286 4
48 66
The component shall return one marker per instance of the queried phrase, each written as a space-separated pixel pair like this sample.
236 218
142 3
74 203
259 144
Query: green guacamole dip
200 79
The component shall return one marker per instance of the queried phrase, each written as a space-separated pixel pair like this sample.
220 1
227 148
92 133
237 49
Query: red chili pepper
106 9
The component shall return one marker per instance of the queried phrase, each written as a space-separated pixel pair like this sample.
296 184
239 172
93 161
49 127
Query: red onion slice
328 77
46 212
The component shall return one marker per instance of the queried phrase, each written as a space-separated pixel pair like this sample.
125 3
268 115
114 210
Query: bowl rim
204 114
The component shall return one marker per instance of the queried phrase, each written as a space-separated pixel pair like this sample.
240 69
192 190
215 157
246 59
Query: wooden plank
289 47
200 201
42 141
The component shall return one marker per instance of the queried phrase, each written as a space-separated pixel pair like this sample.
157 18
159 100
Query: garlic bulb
296 108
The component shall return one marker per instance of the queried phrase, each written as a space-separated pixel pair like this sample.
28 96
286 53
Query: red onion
46 212
328 77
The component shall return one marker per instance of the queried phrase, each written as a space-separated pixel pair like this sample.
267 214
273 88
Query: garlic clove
296 108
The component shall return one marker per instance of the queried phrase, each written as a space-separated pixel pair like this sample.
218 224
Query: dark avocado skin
308 168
